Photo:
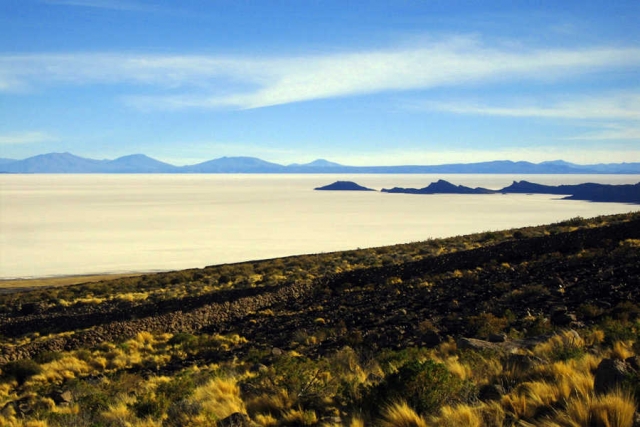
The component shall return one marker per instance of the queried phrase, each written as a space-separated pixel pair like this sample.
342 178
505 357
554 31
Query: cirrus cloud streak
243 82
28 137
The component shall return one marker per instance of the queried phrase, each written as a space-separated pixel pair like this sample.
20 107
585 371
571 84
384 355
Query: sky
354 82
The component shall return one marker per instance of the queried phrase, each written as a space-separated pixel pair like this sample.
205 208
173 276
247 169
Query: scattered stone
374 378
475 344
276 352
609 376
331 421
237 419
431 339
502 337
491 392
259 367
62 397
633 362
560 316
521 362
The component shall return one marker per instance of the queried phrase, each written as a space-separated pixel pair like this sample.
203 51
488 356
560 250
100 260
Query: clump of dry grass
615 409
219 397
621 350
400 414
299 417
66 368
270 404
459 416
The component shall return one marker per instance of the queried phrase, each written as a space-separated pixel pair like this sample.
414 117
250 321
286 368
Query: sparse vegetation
500 328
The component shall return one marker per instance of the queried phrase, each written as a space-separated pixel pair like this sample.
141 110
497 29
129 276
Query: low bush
20 370
424 386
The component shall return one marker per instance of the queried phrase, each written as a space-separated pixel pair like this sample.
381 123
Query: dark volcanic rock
475 344
236 419
610 375
501 337
491 392
344 186
560 316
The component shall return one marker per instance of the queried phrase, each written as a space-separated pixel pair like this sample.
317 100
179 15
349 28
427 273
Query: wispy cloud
611 132
29 137
103 4
249 82
621 106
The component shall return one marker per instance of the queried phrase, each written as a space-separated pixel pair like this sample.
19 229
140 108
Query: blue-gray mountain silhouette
140 163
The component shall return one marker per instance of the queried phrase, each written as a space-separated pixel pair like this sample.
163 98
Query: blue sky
356 82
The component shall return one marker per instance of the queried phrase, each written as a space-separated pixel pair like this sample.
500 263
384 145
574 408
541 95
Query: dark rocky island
440 187
344 186
624 193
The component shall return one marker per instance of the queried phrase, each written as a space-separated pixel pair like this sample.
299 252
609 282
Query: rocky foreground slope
523 284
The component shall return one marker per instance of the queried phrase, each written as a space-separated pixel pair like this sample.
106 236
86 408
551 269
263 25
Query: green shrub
486 324
20 370
617 330
148 406
182 338
48 357
589 311
425 386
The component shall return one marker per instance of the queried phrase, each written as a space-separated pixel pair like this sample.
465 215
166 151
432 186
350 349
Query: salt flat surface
81 224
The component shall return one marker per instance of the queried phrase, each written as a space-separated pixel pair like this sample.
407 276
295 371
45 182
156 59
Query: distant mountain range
140 163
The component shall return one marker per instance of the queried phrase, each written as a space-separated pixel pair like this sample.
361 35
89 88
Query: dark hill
344 186
624 193
440 187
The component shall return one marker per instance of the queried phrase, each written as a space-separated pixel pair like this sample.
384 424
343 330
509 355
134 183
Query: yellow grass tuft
356 422
459 416
265 420
118 414
518 406
563 341
595 337
273 404
219 397
458 369
298 417
401 415
621 350
60 370
446 348
615 409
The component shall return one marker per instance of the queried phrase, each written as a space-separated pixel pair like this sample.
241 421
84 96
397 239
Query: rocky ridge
411 303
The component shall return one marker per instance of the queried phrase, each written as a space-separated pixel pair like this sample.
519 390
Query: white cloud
250 82
31 137
611 132
617 106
